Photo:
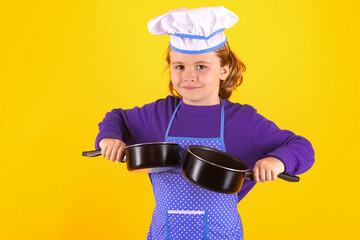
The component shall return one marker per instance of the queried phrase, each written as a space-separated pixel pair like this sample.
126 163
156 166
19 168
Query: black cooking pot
148 157
218 171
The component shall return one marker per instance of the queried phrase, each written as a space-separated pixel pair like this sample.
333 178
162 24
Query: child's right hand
112 149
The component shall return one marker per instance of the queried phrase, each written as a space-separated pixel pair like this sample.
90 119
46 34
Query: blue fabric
197 51
197 36
186 211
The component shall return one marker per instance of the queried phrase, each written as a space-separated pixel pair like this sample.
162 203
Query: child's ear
224 72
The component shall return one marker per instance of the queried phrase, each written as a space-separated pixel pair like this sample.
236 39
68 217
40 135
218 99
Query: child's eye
201 67
179 67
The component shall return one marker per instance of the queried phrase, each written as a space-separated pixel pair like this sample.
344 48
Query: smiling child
203 73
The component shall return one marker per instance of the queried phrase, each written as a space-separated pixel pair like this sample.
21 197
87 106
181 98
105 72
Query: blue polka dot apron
184 210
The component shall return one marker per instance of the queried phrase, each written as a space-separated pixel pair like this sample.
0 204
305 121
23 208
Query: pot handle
96 153
289 178
284 176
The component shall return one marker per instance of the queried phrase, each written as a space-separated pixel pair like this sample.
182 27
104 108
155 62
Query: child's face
196 77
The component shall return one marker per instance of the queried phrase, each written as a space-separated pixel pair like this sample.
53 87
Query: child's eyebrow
194 62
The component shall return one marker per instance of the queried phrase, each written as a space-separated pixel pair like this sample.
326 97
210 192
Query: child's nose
189 75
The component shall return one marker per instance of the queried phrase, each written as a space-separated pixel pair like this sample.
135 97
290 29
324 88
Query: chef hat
194 31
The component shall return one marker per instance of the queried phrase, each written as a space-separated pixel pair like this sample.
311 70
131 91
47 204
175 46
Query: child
204 72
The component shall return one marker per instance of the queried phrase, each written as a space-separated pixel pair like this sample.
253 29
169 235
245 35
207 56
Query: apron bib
184 210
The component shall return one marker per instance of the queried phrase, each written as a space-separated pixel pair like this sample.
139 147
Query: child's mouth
190 88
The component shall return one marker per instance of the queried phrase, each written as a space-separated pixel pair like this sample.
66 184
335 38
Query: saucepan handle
289 178
284 176
96 153
92 153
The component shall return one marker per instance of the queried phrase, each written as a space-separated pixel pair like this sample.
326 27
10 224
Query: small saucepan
148 157
218 171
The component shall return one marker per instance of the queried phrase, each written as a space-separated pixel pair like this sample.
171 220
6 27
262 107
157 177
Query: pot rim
220 152
151 143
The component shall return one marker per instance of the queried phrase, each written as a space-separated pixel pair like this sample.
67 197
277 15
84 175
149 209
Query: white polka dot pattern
186 211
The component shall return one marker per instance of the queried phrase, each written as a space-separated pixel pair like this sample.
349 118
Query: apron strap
222 126
171 120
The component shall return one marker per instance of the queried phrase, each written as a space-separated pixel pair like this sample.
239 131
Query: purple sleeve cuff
294 151
111 126
297 155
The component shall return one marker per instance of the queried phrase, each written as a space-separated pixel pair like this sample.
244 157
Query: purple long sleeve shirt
247 135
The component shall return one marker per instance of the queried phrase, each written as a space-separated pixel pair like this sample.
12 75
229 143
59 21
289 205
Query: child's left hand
267 169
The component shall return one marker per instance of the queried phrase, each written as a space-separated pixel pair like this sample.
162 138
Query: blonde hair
226 57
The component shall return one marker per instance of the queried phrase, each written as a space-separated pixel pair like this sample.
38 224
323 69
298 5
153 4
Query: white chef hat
194 31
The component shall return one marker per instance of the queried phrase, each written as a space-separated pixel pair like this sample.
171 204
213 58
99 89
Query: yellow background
64 64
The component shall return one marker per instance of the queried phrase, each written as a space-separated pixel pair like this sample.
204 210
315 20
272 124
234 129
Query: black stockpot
218 171
148 157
